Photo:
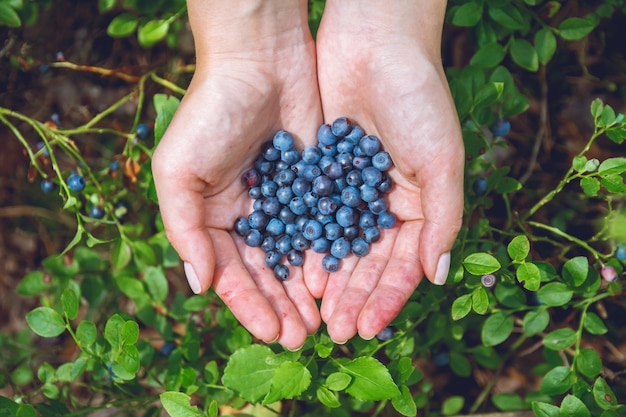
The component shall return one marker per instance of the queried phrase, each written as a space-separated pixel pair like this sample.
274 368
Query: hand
246 87
382 68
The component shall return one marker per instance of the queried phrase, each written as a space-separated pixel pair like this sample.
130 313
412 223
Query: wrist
247 27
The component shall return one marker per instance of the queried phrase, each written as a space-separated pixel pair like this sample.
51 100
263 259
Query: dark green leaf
488 94
525 55
507 16
371 379
196 303
603 394
289 380
488 56
594 324
529 274
178 404
156 283
480 300
588 362
575 270
165 107
573 406
554 294
249 373
519 248
106 5
469 14
545 44
122 254
614 183
45 321
545 410
86 333
560 339
70 303
496 329
460 364
452 405
327 397
510 295
508 402
9 17
576 28
557 381
615 165
33 284
535 321
461 306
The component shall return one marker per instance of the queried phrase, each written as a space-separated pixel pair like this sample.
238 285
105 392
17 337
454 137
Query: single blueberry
328 150
268 244
167 348
42 145
255 192
253 238
264 167
370 145
300 186
310 172
271 153
257 205
340 248
382 161
361 161
251 178
284 194
76 182
351 196
333 170
142 131
351 232
284 177
312 229
320 245
441 359
326 205
311 154
297 205
341 127
480 186
330 263
282 165
272 258
324 218
346 216
242 225
269 188
283 244
501 128
283 141
291 229
344 159
386 220
385 334
299 242
301 222
371 176
353 177
325 161
258 220
325 135
96 212
271 206
620 251
289 157
371 234
378 206
47 186
114 165
355 135
332 231
386 185
281 272
322 185
275 227
310 199
344 146
367 219
295 257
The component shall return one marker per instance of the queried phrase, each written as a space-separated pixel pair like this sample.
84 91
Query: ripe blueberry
47 186
620 251
385 334
96 212
281 272
142 131
76 182
330 263
501 128
283 141
480 186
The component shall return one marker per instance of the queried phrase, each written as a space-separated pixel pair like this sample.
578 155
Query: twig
543 122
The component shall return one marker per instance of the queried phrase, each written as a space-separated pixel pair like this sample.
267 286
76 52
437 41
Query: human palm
216 134
395 91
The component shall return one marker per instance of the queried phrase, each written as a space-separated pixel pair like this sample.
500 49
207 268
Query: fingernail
338 343
443 267
192 278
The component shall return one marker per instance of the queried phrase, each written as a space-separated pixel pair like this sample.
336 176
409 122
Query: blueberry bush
532 295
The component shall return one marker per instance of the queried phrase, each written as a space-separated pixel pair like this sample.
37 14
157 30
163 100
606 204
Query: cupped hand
235 103
391 82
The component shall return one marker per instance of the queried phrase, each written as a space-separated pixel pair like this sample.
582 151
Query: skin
380 64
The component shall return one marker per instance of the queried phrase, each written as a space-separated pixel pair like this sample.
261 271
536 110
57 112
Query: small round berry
271 206
268 244
167 348
488 280
253 238
361 161
258 220
386 185
326 205
353 178
295 258
283 244
255 192
271 153
386 220
322 185
264 167
480 186
501 128
299 242
355 135
325 135
344 146
620 251
371 234
281 272
142 131
251 178
441 359
272 258
340 248
330 263
351 232
385 334
300 186
284 177
47 186
608 273
368 194
341 127
351 197
283 141
378 206
329 150
382 161
311 154
367 219
360 247
269 188
242 225
310 199
76 182
332 231
275 227
284 194
371 176
297 206
114 165
320 245
333 170
96 212
312 229
370 145
346 216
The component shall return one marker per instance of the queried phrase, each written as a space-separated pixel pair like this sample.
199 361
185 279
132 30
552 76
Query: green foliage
139 341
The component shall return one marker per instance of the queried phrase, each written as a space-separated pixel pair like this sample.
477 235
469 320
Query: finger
302 299
337 283
235 286
442 204
364 279
401 276
315 276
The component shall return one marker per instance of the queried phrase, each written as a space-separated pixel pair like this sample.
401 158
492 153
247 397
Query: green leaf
590 186
576 28
488 56
338 381
488 94
557 381
106 5
615 165
545 410
469 14
460 364
588 362
525 55
45 322
452 405
560 339
152 32
573 406
86 333
535 321
178 404
554 294
480 300
122 25
371 380
594 324
508 401
327 397
70 303
404 403
156 283
129 332
602 393
575 270
497 328
607 117
481 263
617 134
510 295
196 303
507 16
113 330
122 254
9 17
165 107
25 410
529 274
614 183
461 306
519 248
144 253
545 44
33 284
289 380
249 373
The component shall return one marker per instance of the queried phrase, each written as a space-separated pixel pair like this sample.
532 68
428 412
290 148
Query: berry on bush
480 186
142 131
488 280
96 212
76 182
47 186
385 334
501 128
608 273
330 198
620 251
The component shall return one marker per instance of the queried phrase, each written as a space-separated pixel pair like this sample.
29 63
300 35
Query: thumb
442 205
183 213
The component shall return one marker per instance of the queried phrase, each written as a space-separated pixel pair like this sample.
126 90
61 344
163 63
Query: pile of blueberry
330 198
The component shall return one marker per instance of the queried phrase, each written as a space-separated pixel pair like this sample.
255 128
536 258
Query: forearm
246 26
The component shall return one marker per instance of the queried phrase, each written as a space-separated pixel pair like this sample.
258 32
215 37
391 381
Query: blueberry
344 146
297 205
330 263
480 186
361 161
371 234
382 161
275 227
488 280
386 220
271 206
620 251
370 145
255 192
325 135
371 176
283 244
301 222
325 161
284 194
310 199
340 248
253 238
272 258
378 206
269 188
300 186
324 218
441 359
264 167
313 229
333 170
351 232
76 182
311 154
329 150
332 231
42 145
310 172
501 128
355 135
289 157
299 242
268 244
295 257
47 186
281 272
351 196
282 165
385 334
96 212
284 177
320 245
242 225
271 154
344 159
114 165
346 216
386 185
167 348
322 185
341 127
291 229
326 205
142 131
258 220
353 178
257 205
367 219
283 141
251 178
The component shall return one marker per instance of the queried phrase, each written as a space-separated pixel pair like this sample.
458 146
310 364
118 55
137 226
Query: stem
167 84
567 236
